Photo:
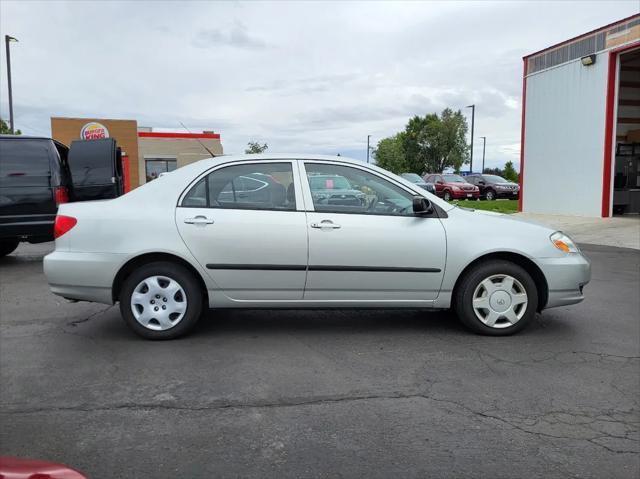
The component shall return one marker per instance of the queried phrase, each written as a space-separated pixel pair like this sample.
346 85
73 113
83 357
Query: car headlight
563 242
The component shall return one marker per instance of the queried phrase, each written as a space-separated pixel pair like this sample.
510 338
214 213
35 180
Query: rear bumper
83 276
566 277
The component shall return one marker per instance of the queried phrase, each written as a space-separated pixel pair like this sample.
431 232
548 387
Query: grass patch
499 206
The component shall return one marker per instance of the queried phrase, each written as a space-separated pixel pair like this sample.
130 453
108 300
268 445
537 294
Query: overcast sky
301 76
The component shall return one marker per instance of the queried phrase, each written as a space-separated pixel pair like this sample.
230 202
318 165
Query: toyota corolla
196 238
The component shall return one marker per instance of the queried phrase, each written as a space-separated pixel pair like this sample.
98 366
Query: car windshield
329 183
413 177
494 179
454 179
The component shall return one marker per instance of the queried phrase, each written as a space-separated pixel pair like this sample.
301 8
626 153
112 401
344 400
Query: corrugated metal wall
564 139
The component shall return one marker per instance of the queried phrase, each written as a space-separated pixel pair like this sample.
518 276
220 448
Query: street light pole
8 39
484 144
473 115
368 136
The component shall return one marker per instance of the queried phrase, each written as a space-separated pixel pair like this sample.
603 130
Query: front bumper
509 194
460 195
566 277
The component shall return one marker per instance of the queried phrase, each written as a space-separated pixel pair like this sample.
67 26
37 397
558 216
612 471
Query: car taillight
62 195
63 224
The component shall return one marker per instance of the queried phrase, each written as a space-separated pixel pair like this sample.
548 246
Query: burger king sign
94 131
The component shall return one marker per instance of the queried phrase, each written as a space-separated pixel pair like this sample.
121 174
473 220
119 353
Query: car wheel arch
146 258
529 266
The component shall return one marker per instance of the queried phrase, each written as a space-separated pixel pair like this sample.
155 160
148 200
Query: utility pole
368 136
484 144
8 39
473 115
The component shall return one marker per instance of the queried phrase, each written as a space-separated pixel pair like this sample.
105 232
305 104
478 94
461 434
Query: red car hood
15 468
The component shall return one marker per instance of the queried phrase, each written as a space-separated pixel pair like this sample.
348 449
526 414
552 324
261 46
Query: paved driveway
324 394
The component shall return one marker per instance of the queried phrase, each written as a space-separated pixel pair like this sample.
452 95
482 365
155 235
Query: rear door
27 204
95 169
245 224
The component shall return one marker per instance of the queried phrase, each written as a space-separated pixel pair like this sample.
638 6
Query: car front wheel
447 196
490 195
161 300
496 298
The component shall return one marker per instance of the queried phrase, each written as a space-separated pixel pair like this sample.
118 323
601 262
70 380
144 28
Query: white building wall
564 139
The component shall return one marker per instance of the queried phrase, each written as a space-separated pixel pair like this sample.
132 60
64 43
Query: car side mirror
481 182
421 206
439 182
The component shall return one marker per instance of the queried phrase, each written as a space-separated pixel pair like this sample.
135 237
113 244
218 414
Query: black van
34 179
38 174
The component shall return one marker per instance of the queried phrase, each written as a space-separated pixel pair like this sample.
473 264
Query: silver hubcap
158 303
500 301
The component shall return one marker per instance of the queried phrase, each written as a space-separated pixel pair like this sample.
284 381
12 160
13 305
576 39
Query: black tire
8 247
490 195
463 296
186 280
446 195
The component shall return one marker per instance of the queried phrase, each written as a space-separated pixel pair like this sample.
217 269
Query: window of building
154 167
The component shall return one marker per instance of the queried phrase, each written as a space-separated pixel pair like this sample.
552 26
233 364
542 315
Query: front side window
344 189
261 186
154 167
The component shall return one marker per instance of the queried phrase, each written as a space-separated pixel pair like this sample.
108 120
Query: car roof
23 137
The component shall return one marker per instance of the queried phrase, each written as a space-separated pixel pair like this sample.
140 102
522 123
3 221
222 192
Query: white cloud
312 77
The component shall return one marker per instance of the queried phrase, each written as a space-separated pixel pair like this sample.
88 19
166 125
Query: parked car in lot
493 187
452 187
335 190
38 174
170 248
34 180
418 181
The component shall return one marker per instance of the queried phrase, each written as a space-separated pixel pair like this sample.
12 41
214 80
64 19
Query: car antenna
201 144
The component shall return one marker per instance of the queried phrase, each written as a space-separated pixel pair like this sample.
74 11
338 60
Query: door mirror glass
421 206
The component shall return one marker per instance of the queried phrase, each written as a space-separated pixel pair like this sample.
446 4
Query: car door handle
198 220
326 224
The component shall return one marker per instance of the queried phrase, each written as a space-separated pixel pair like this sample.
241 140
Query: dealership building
580 144
147 153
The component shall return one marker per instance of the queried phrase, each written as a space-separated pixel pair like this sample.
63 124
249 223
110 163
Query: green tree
5 130
254 148
389 154
433 143
510 172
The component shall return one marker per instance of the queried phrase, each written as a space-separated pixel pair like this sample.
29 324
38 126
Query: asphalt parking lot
324 393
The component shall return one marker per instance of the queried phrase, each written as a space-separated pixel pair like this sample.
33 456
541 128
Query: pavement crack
89 317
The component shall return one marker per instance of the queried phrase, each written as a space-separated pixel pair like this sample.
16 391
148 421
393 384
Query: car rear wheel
8 247
161 300
496 298
447 196
490 195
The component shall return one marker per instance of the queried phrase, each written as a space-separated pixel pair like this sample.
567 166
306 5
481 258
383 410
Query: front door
243 224
366 246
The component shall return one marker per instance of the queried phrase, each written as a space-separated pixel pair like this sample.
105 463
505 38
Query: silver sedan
251 232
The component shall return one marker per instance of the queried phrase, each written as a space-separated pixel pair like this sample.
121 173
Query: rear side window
258 186
25 162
